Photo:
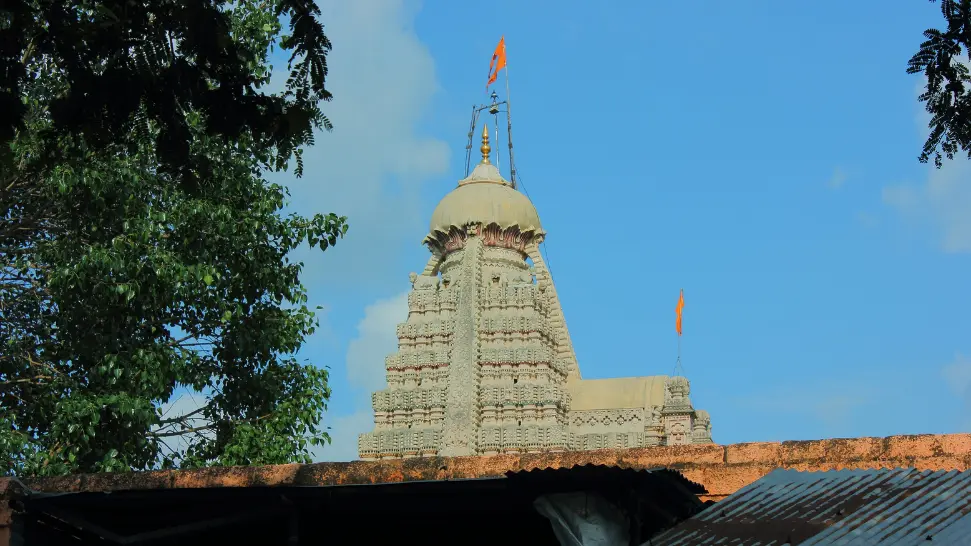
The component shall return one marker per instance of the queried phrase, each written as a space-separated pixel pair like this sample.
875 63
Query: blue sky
761 155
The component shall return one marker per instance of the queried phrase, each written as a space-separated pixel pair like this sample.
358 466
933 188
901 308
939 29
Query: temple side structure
485 364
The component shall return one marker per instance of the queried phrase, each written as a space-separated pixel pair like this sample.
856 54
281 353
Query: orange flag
498 61
678 310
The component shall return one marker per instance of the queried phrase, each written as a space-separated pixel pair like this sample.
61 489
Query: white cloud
942 201
376 339
958 376
344 431
837 180
371 167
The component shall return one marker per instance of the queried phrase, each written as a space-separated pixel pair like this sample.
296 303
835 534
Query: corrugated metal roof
844 507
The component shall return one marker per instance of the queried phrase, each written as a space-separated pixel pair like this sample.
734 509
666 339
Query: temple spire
485 149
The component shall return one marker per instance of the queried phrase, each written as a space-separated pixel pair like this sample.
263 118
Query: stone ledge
759 452
833 449
724 480
721 469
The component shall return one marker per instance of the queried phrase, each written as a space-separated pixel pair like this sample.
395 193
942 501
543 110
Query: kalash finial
485 149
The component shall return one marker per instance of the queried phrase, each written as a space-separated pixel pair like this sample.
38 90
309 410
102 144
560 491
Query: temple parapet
633 412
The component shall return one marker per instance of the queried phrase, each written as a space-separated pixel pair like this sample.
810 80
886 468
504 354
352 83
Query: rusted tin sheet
846 507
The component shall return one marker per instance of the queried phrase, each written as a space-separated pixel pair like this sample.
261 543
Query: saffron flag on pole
498 61
678 310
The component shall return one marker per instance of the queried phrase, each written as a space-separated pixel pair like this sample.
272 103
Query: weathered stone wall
721 469
742 464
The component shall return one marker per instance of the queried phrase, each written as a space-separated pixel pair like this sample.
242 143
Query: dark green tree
948 92
142 251
130 62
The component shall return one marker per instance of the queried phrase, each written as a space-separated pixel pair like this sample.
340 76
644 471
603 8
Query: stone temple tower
485 364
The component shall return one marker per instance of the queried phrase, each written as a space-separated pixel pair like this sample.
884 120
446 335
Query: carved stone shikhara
485 364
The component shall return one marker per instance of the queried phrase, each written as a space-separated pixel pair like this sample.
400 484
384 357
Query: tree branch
183 417
203 428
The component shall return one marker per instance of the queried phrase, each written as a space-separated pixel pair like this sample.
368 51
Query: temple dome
485 198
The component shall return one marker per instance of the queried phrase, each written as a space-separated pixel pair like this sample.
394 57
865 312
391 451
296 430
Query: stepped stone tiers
485 364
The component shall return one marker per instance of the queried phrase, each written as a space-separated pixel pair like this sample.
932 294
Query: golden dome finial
485 149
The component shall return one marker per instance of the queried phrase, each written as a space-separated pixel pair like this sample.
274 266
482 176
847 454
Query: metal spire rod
476 110
512 163
468 147
494 110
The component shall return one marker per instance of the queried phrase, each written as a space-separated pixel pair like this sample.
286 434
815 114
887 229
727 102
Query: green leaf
149 228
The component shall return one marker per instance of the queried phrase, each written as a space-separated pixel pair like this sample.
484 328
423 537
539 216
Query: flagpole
680 366
498 163
677 363
512 164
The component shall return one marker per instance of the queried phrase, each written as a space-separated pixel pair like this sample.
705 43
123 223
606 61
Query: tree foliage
134 62
948 92
142 252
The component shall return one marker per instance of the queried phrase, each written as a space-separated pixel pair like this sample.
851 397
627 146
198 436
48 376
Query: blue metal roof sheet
839 507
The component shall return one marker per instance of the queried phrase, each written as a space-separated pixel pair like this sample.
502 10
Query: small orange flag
678 310
498 61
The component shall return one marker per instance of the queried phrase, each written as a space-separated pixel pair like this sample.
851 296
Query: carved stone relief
677 429
483 359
